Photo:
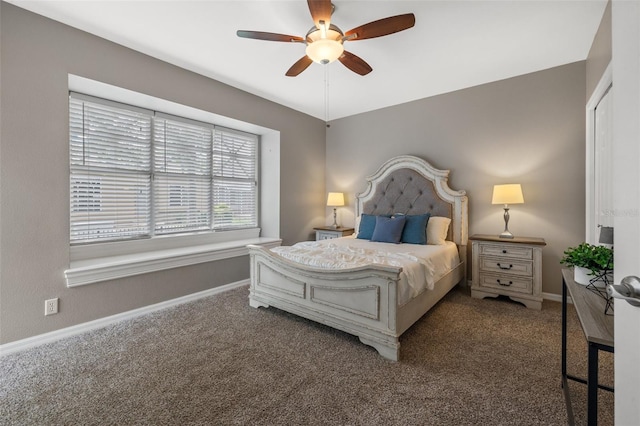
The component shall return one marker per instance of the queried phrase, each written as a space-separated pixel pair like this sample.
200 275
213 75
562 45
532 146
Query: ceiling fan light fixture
324 45
324 51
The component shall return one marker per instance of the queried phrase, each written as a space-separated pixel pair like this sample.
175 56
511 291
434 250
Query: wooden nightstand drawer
504 282
328 233
504 250
506 266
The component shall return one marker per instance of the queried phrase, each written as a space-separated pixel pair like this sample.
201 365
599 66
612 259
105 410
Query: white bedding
422 265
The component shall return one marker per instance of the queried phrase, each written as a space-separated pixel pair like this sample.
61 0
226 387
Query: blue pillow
367 225
415 229
388 229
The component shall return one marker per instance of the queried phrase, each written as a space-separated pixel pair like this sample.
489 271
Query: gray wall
528 129
37 56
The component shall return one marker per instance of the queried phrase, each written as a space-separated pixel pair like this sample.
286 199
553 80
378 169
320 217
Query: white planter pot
583 276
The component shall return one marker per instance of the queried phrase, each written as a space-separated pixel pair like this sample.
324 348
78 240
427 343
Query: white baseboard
52 336
554 297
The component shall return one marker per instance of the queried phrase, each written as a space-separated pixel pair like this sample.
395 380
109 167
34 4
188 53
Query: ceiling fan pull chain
326 96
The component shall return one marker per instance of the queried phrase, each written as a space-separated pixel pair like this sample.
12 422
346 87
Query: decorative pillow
367 225
437 230
388 229
415 229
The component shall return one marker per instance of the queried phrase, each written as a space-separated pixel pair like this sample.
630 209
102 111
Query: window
136 173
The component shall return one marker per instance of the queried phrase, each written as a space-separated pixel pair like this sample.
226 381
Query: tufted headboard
409 185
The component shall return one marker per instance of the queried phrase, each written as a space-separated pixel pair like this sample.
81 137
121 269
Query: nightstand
508 267
328 232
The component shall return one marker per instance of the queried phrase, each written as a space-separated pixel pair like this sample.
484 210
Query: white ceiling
454 44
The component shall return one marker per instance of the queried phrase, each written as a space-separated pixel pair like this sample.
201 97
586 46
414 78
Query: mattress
422 265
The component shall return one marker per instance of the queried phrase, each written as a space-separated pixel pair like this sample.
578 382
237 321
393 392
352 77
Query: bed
370 300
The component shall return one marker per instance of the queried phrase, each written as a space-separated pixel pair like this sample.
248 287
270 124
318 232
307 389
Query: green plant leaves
593 257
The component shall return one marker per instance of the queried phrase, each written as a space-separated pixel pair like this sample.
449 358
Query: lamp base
506 233
335 222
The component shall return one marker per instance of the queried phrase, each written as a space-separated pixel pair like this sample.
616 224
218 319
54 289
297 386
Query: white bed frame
364 301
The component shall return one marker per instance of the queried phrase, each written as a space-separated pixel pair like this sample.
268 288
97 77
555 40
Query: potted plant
588 261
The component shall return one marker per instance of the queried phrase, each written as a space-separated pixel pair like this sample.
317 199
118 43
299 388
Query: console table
598 331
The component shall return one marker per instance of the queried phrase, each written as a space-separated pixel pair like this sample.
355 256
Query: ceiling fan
325 41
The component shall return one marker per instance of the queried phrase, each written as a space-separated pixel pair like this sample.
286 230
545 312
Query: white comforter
422 265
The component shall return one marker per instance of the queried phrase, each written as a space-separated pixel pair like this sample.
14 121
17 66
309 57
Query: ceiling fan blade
320 11
260 35
299 66
355 63
382 27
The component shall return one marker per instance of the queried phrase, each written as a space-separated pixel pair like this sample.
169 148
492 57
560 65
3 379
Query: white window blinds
110 178
139 174
235 190
182 176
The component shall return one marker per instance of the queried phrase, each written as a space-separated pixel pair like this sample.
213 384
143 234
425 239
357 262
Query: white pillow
437 230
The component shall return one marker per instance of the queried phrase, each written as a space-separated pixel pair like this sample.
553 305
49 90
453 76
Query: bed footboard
359 301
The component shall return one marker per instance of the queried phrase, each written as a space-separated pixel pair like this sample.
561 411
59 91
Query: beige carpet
218 361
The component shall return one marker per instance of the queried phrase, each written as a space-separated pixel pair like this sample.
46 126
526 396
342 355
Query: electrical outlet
51 306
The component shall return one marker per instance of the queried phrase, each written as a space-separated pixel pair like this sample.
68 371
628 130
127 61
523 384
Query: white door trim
601 89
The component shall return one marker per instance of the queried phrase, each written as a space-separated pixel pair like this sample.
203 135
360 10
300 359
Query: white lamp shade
335 199
507 194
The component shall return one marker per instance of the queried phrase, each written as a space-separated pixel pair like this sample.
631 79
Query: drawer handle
504 252
506 268
504 284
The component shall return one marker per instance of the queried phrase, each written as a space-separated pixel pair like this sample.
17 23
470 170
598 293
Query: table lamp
335 199
507 194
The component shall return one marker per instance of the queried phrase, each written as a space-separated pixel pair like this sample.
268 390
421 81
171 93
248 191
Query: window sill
91 271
